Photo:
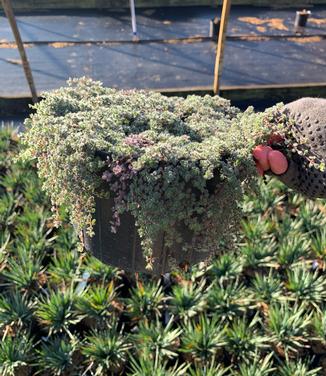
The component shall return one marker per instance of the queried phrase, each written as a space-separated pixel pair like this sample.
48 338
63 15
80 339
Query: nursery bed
166 65
155 23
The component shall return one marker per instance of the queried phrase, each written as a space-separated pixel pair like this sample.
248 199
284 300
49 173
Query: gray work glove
309 117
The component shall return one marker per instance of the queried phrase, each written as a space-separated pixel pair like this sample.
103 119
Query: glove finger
278 162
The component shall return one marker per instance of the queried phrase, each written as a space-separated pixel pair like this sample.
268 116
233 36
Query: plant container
123 248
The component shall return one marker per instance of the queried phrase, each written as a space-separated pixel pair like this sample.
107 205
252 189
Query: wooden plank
220 44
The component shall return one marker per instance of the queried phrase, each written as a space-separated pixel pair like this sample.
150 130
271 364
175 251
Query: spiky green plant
31 189
188 299
312 218
155 340
228 299
58 356
33 229
295 200
146 366
267 288
212 369
95 304
64 267
106 350
16 310
318 340
318 243
258 254
202 338
287 328
16 356
17 179
244 339
225 266
23 270
256 229
300 367
292 249
98 271
258 367
307 286
287 226
4 244
8 205
66 239
8 144
56 312
265 200
146 301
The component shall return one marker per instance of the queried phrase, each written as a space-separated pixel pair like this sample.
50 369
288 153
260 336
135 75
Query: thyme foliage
172 162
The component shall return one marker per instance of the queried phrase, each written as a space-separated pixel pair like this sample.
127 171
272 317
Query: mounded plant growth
171 162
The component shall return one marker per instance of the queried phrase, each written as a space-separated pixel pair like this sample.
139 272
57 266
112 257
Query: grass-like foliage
154 339
106 350
16 355
59 356
56 312
201 339
257 310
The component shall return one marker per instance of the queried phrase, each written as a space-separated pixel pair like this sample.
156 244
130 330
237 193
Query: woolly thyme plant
167 160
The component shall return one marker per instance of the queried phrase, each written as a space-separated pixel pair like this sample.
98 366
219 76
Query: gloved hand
309 116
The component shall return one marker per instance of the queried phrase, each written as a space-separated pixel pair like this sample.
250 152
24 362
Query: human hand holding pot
294 169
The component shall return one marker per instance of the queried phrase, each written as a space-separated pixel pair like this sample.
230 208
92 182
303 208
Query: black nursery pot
123 249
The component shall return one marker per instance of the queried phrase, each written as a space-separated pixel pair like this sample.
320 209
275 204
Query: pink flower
117 170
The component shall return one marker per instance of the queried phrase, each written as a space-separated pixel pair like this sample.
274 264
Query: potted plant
151 181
